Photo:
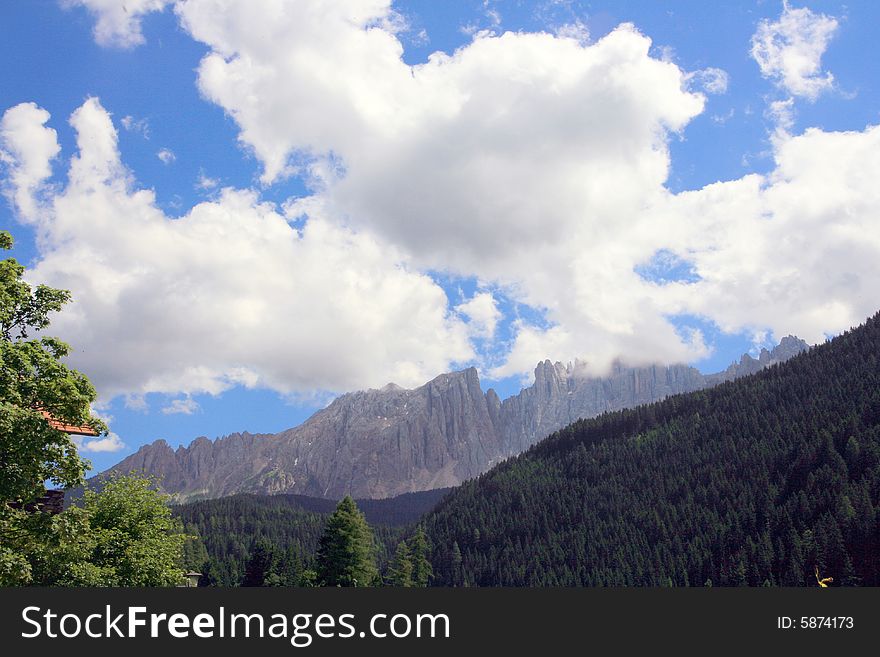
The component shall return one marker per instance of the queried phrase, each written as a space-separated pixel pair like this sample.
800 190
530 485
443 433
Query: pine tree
455 562
401 572
346 554
421 567
259 565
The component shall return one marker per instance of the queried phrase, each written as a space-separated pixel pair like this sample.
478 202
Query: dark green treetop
401 571
346 553
422 572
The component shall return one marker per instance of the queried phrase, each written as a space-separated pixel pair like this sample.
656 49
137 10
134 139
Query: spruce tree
401 572
259 565
455 561
346 554
421 567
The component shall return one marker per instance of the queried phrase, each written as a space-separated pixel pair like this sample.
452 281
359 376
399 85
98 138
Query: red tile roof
68 428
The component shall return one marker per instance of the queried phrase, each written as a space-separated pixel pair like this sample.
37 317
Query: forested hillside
759 481
278 534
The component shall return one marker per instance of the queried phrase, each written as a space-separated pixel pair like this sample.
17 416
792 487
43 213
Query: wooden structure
52 502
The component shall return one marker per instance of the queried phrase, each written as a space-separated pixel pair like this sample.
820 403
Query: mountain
385 442
771 479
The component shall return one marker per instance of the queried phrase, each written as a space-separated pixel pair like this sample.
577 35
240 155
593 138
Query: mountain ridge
378 443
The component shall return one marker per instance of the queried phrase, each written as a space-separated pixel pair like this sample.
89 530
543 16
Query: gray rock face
378 443
381 443
788 347
561 395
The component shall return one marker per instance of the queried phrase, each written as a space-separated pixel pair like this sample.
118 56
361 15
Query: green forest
760 482
771 480
258 540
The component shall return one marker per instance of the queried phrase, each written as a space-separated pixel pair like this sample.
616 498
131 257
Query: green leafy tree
34 381
135 533
346 553
401 571
422 572
123 535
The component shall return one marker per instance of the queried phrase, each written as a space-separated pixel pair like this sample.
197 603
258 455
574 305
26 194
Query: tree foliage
291 526
401 571
346 554
123 535
422 571
34 381
760 480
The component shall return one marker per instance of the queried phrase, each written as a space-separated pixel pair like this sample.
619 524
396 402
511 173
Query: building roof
51 502
69 428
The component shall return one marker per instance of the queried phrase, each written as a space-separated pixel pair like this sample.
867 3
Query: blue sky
259 206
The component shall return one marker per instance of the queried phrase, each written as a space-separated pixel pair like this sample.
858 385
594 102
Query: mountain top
383 442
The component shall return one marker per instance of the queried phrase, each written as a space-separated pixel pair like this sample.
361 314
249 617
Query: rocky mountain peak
788 347
387 441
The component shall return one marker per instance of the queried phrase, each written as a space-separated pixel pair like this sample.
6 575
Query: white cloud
711 80
420 38
576 30
109 443
166 155
533 163
522 159
482 311
185 406
781 113
721 119
139 126
206 183
420 147
796 251
789 51
230 293
27 149
118 22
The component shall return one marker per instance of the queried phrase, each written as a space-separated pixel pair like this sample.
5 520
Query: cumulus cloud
27 149
229 294
539 163
109 443
789 51
482 311
534 163
523 159
118 22
797 250
185 406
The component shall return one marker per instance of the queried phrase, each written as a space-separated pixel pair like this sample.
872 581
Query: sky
258 205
